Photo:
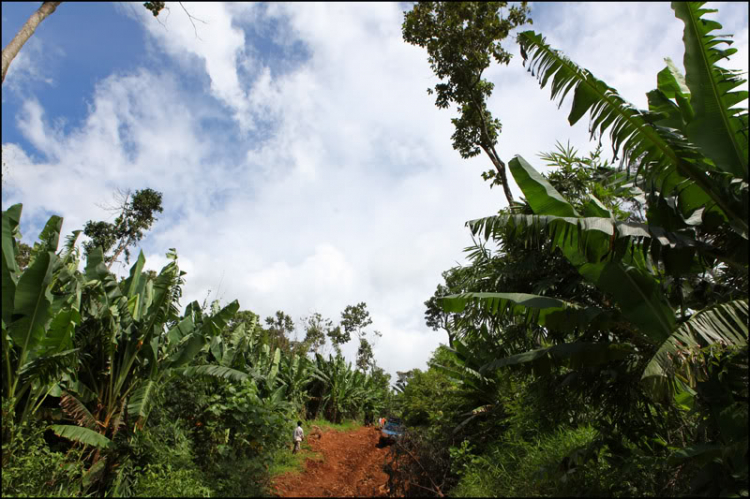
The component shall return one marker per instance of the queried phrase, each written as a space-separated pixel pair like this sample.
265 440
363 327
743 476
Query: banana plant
336 382
294 373
128 351
40 311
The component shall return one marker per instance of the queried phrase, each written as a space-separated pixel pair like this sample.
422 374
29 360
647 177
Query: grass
326 425
286 462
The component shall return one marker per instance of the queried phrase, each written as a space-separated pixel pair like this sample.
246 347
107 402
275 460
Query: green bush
516 467
31 469
161 480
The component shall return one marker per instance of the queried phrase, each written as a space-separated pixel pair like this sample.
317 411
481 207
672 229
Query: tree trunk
500 167
14 47
492 153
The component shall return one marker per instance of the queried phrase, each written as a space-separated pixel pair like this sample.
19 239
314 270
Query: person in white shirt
299 435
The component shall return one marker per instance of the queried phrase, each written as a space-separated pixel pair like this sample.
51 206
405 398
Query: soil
351 465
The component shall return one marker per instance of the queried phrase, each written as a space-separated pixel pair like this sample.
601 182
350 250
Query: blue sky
303 165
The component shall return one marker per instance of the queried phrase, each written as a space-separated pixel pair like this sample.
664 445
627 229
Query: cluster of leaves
618 294
462 39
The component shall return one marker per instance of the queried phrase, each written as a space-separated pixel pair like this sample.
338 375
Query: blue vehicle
391 431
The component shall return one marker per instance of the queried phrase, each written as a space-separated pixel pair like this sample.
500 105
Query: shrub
31 469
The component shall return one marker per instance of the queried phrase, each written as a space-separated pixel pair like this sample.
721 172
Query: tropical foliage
609 299
94 358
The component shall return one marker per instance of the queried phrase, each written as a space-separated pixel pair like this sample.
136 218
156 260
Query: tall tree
316 327
338 337
14 47
462 39
32 23
355 318
137 214
365 356
280 328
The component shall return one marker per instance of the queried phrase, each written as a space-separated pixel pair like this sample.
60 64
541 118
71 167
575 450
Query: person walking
299 435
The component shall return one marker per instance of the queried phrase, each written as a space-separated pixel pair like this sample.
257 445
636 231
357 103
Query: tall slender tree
462 39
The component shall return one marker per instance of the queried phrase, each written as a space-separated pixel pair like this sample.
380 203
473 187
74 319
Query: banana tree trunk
14 47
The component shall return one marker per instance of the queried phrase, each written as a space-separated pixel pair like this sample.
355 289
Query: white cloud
332 179
30 66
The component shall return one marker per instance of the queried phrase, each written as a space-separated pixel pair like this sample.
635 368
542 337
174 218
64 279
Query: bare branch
191 20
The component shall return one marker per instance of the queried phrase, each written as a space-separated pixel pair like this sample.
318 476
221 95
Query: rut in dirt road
351 465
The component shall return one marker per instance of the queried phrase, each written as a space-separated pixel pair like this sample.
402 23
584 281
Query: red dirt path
352 465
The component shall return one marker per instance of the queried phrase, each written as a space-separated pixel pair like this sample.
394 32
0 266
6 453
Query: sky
302 163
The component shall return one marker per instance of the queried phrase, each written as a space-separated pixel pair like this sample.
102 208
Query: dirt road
351 465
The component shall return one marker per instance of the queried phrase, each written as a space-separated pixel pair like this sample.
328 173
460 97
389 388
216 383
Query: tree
673 308
14 47
23 255
338 337
316 328
280 327
136 216
461 39
355 318
364 355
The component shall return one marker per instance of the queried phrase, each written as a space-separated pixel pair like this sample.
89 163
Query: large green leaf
539 193
638 295
10 221
9 267
271 379
719 128
159 310
31 303
45 369
50 235
95 267
590 239
533 307
671 85
133 283
186 350
60 333
636 291
216 372
181 330
82 435
140 401
213 325
573 355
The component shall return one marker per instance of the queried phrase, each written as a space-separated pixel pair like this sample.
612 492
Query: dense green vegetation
598 338
108 388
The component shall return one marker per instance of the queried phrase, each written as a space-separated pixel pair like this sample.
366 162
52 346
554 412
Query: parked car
391 431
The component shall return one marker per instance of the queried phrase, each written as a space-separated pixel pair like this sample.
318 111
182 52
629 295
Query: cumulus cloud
331 180
31 66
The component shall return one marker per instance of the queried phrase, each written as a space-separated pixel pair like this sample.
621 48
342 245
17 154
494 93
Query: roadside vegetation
598 336
109 389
